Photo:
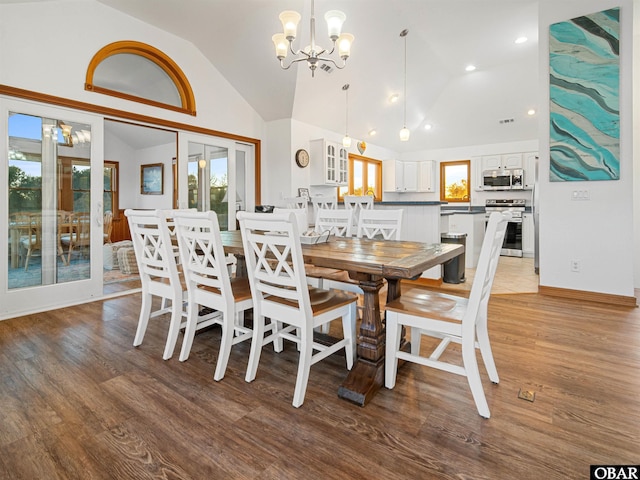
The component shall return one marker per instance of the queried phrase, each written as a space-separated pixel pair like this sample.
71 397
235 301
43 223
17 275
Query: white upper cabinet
329 163
404 177
427 176
501 162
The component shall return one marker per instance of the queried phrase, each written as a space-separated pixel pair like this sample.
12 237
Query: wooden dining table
370 263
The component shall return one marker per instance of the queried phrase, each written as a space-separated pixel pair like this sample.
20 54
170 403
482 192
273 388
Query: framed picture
303 192
152 179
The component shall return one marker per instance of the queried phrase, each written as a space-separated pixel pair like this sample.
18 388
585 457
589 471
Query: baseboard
607 298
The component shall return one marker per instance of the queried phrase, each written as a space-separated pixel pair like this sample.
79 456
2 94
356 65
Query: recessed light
470 68
521 40
428 126
372 132
531 112
394 98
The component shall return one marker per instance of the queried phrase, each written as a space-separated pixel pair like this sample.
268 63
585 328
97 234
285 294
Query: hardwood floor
78 401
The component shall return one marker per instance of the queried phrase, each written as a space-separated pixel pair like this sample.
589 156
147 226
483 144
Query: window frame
162 60
443 181
377 194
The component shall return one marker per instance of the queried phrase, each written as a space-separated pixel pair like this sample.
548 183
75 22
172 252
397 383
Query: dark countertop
451 210
410 203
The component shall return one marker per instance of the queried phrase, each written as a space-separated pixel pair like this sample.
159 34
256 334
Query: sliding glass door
220 176
51 170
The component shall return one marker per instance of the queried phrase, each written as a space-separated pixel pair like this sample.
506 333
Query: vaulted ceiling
488 105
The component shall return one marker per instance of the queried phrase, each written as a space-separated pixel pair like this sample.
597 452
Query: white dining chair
338 222
209 284
357 203
280 292
321 201
295 202
159 275
451 319
384 223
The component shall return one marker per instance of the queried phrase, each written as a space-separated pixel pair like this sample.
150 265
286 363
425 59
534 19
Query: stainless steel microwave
504 179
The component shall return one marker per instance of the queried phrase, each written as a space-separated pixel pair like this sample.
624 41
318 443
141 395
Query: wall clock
302 158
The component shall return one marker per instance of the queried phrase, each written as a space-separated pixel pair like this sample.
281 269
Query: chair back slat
274 260
201 252
486 268
357 203
152 245
338 222
385 224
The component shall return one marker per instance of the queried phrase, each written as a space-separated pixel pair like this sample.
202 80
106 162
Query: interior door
51 166
218 175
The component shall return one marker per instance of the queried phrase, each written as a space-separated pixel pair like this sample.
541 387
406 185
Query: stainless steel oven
512 245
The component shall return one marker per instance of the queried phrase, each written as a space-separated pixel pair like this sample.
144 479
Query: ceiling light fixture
428 126
521 40
394 98
372 132
346 141
404 133
470 68
312 53
531 112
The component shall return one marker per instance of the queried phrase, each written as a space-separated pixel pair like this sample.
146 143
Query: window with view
455 181
365 178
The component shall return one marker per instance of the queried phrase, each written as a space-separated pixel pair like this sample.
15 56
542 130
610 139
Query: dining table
370 262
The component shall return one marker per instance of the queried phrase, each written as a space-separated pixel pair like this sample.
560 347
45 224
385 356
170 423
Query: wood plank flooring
78 401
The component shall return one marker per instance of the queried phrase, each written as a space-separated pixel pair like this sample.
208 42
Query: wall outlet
575 265
580 195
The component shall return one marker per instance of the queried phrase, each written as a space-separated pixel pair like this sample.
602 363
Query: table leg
367 374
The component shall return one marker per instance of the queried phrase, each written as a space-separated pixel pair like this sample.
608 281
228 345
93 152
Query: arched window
141 73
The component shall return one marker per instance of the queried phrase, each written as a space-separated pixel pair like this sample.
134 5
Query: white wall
599 232
62 37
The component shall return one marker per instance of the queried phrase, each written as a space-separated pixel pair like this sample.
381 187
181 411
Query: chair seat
240 286
425 304
321 300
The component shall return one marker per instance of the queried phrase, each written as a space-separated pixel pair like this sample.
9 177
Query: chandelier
313 53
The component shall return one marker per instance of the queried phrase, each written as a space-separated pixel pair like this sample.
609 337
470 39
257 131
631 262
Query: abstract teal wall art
584 63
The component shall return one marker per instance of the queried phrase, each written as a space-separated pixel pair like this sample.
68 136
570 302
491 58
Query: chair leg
225 346
349 333
256 347
174 328
143 321
304 365
393 344
190 330
485 350
473 377
416 337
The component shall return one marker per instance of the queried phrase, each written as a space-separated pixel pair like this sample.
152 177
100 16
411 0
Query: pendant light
346 141
404 133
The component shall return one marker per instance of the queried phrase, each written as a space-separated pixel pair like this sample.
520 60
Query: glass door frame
184 138
20 301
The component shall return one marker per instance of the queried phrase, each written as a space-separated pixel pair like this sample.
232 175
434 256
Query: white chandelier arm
287 67
323 59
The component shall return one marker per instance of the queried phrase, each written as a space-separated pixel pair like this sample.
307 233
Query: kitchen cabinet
401 177
329 163
473 226
528 235
530 165
502 162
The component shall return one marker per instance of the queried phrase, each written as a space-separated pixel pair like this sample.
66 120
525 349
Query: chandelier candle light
313 53
346 141
404 133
